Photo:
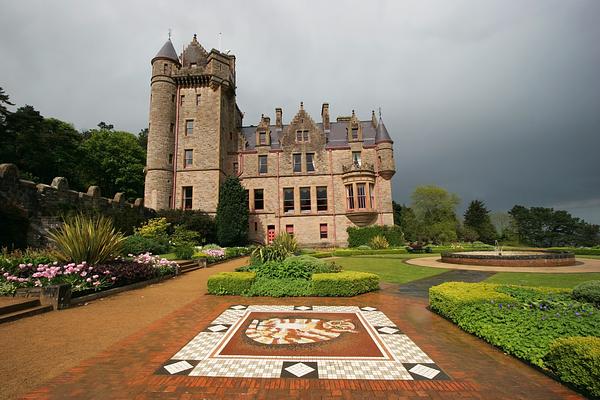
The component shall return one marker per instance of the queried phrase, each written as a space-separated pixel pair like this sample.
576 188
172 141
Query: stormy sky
494 100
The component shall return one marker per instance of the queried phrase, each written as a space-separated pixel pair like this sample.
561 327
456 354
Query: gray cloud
497 100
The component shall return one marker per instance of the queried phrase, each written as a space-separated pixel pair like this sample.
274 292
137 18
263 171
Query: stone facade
315 179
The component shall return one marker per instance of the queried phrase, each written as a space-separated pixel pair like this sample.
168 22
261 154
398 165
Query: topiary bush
576 360
231 283
379 242
363 236
294 267
347 283
588 291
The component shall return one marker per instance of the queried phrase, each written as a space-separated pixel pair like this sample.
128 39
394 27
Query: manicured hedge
576 360
580 251
234 283
363 236
281 287
356 252
522 321
588 291
347 283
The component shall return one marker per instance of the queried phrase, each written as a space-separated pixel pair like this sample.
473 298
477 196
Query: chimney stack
325 116
278 116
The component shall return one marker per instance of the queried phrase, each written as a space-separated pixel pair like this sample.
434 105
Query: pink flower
84 273
113 278
95 276
88 280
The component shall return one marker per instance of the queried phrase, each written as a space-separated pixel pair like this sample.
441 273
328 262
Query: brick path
127 369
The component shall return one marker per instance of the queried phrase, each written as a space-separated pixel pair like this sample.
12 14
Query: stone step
29 312
18 305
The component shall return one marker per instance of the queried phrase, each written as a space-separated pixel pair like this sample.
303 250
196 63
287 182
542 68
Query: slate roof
381 133
168 52
337 134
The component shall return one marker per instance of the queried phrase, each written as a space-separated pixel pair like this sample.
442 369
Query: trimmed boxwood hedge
363 236
576 360
345 283
522 321
579 251
233 283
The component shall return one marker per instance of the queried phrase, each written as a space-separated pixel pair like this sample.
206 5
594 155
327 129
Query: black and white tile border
408 361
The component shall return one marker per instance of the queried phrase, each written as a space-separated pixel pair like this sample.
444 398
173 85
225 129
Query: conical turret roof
381 133
168 52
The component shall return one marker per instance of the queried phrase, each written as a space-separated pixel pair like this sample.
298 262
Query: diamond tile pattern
178 367
299 369
425 371
386 329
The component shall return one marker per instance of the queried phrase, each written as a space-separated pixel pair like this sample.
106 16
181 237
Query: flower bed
522 321
18 273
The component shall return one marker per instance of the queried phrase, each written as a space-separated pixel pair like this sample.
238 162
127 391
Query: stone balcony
362 217
355 172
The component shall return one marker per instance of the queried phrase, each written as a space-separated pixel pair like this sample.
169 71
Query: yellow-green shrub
345 283
233 283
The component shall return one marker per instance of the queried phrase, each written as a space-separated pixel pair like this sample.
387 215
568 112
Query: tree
477 218
406 219
232 213
434 209
4 101
114 160
143 138
545 227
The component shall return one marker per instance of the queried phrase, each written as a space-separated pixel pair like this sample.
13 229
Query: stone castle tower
193 124
308 178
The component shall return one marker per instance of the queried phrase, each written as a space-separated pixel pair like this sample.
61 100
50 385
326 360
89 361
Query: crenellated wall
39 206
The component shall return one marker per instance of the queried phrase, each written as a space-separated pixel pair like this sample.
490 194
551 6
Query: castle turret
161 129
385 151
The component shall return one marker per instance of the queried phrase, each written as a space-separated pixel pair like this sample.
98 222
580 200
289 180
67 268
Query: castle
310 179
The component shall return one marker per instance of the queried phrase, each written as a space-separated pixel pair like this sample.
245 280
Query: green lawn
390 267
169 256
537 279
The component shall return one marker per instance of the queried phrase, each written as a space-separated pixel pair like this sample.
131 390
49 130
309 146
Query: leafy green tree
232 213
4 101
114 160
143 138
545 227
405 218
477 218
434 209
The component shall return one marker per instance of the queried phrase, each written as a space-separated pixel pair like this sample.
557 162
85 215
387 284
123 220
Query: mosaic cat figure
297 330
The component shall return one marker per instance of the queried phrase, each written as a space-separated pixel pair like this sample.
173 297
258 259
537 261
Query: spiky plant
379 242
83 238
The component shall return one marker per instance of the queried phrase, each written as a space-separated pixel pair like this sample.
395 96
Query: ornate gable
354 129
194 55
302 130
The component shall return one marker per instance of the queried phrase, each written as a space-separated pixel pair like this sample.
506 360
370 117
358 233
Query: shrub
576 360
182 236
364 247
294 267
286 242
588 291
233 283
91 239
379 242
231 252
184 251
155 228
363 236
522 321
192 220
348 283
264 286
232 213
136 244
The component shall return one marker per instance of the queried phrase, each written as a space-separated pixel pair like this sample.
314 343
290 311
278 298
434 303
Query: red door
270 233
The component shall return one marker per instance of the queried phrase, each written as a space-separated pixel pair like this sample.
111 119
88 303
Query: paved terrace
119 348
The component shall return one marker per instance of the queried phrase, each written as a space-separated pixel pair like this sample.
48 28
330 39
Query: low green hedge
576 360
363 236
588 291
580 251
234 283
522 321
346 283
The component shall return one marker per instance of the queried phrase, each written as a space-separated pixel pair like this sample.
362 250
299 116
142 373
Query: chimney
267 120
325 116
373 119
278 116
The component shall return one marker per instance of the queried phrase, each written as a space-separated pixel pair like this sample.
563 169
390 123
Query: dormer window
301 136
193 65
354 133
262 138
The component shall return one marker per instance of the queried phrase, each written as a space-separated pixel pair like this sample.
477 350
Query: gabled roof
381 133
168 52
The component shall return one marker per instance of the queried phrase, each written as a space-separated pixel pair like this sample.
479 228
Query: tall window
236 168
305 199
354 133
188 158
259 199
289 230
350 196
372 193
288 200
197 99
189 127
166 69
301 136
310 165
323 231
172 128
170 158
262 138
188 193
361 195
262 164
181 99
321 198
247 198
356 158
297 162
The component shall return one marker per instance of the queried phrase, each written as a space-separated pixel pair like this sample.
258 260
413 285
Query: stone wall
39 207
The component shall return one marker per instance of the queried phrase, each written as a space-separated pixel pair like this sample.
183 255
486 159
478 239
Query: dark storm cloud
497 100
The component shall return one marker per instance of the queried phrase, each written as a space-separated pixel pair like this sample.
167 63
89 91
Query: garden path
420 288
134 367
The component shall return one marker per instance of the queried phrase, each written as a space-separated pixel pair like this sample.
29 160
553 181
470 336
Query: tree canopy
477 219
435 211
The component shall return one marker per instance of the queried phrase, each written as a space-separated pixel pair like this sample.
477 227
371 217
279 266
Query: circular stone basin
539 258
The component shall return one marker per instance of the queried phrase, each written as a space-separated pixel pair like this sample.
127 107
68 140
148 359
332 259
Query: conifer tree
232 213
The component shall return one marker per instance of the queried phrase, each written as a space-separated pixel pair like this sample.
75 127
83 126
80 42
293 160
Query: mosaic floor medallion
309 342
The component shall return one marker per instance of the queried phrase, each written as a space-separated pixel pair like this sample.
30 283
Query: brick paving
128 369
